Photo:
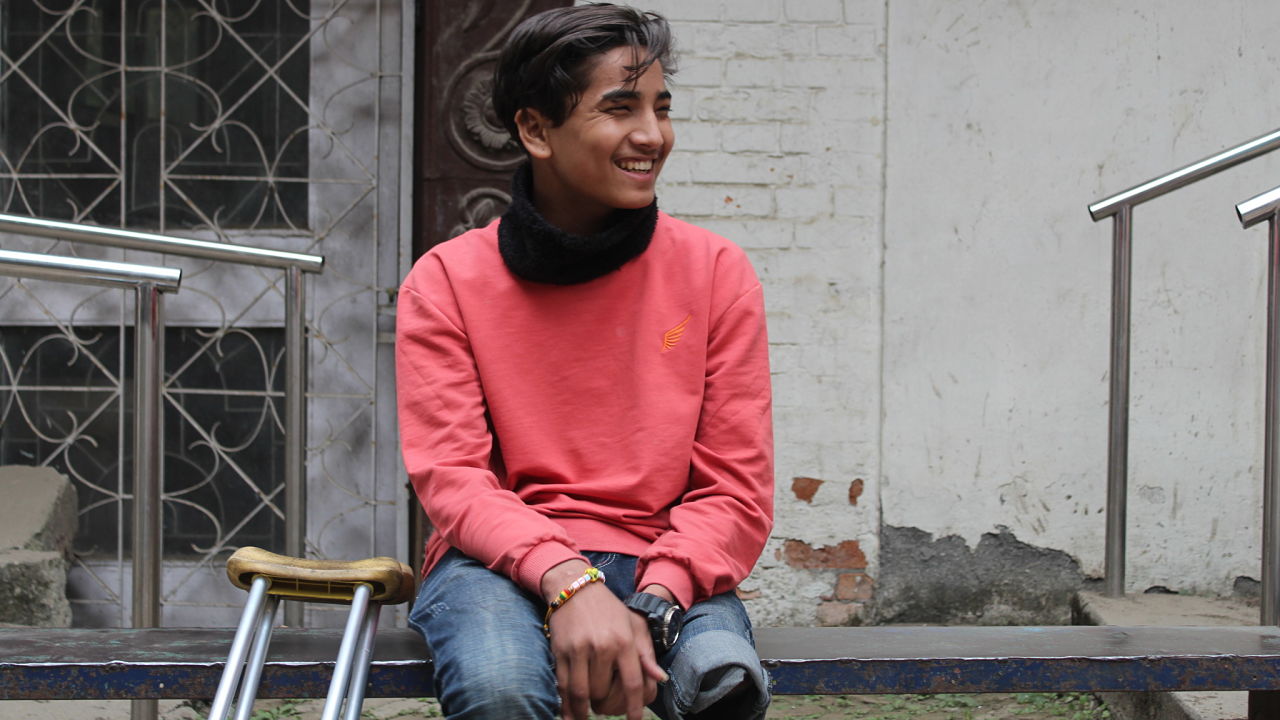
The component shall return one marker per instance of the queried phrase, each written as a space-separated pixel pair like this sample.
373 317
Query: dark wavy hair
546 63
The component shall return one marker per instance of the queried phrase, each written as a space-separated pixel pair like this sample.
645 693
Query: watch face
672 624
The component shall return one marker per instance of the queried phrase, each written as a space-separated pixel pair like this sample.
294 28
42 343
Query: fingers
631 683
602 671
573 682
562 686
653 672
579 690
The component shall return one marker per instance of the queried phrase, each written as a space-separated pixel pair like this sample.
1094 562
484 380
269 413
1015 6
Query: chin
634 202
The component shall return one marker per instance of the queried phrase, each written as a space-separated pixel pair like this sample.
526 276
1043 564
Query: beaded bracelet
589 576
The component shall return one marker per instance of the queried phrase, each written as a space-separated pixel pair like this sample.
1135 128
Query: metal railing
1120 207
1251 212
295 392
148 283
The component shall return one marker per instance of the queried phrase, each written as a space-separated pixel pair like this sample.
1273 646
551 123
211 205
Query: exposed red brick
853 586
838 614
855 491
847 555
747 594
805 487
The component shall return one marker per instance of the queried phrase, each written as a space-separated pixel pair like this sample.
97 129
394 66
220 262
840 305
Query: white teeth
636 165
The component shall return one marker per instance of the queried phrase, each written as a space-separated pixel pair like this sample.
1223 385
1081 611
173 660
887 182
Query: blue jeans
493 662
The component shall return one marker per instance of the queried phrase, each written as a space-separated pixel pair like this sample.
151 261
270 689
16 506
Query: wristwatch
663 618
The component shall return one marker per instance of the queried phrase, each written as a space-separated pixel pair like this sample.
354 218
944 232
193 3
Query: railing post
1120 207
148 353
1118 425
1270 472
295 426
1251 212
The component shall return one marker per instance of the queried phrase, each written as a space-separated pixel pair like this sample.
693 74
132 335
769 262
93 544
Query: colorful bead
589 576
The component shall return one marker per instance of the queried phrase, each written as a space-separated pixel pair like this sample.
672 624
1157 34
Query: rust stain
805 487
846 555
855 491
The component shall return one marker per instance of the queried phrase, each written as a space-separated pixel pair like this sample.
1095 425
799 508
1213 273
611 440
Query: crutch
366 584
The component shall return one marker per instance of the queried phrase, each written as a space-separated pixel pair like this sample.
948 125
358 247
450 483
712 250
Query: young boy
584 405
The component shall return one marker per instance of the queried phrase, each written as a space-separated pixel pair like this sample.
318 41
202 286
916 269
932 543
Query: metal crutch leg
364 655
249 619
365 584
342 670
257 657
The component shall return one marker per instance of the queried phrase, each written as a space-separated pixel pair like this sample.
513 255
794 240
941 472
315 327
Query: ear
533 127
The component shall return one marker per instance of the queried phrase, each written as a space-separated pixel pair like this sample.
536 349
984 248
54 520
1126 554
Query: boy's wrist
660 591
558 577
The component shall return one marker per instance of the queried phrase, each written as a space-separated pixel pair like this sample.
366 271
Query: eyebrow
625 94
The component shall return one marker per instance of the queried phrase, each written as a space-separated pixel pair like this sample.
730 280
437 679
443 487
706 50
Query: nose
647 134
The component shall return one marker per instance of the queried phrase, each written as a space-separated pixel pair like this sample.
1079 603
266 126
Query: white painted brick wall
779 146
823 11
979 400
1006 119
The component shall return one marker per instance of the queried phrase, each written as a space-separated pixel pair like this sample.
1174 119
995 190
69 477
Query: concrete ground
1170 610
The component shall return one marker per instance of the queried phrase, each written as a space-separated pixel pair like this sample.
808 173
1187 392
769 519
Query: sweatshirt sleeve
447 444
722 523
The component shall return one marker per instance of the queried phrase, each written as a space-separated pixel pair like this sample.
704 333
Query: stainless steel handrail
1119 207
1184 176
1251 212
1259 208
87 272
149 284
149 242
295 401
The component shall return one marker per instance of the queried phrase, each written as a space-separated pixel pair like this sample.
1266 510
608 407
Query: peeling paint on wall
855 491
845 555
805 488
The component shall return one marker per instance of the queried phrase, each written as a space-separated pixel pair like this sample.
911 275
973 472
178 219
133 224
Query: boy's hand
603 651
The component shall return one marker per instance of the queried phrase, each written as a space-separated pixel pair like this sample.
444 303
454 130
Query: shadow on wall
37 524
1002 581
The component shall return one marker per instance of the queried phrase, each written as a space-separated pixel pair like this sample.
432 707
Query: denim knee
485 634
715 671
503 688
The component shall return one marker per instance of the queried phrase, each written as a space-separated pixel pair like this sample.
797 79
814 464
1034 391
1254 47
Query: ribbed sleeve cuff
539 560
672 576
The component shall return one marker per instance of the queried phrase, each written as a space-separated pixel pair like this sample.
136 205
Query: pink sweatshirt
630 413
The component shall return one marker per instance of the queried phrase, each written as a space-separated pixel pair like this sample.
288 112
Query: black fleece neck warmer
536 250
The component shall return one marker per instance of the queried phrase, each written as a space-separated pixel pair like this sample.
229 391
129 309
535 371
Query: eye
617 109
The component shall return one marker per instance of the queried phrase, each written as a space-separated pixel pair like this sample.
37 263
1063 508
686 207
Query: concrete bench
186 663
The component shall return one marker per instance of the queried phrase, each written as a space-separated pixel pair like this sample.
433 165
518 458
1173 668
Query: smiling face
607 153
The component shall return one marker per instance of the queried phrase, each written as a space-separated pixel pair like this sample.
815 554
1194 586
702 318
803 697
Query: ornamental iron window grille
164 114
273 123
230 391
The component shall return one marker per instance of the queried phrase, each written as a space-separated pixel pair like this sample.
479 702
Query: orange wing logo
671 337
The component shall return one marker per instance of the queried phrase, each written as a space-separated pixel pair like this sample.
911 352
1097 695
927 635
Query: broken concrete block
38 511
34 588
